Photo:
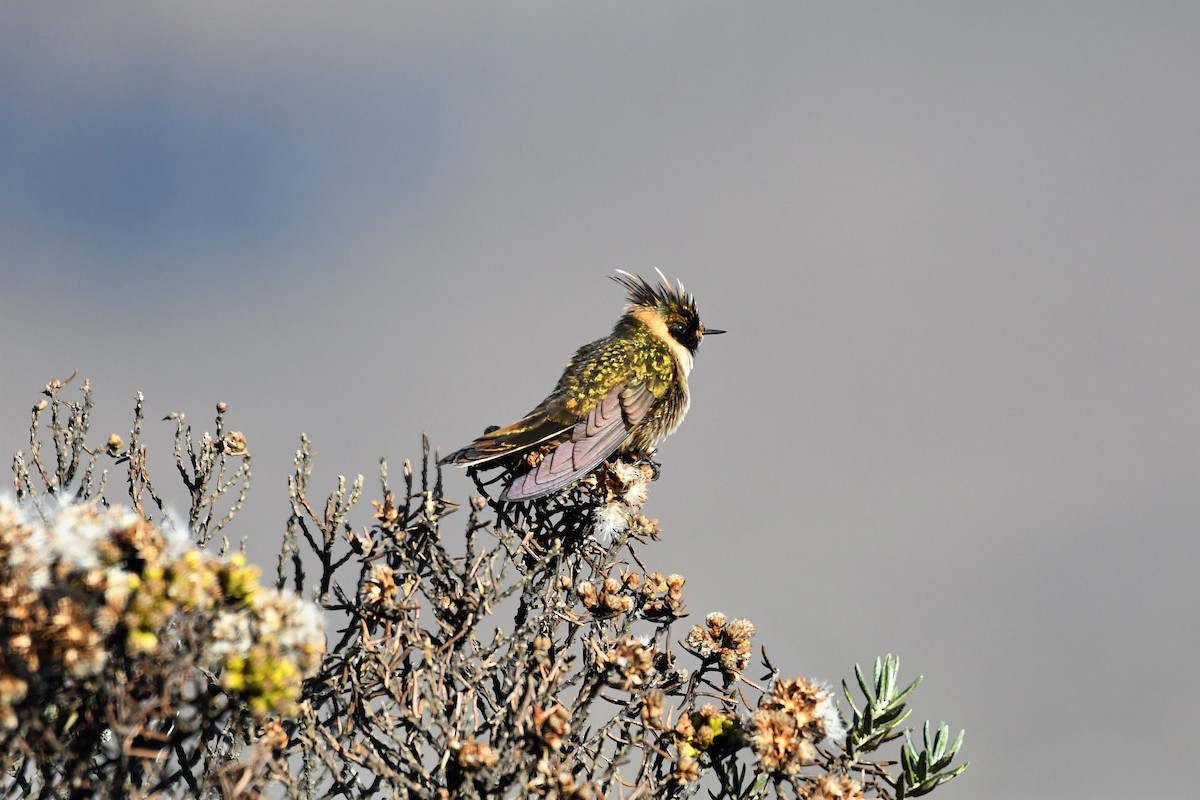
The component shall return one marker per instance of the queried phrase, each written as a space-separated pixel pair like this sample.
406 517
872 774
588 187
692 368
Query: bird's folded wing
593 439
540 426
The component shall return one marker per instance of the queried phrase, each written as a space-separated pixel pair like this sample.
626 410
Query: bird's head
672 305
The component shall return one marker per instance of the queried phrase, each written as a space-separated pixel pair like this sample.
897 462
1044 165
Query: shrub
540 656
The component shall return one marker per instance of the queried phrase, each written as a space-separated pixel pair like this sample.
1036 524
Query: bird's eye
678 330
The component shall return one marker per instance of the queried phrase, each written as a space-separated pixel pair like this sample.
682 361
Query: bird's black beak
712 331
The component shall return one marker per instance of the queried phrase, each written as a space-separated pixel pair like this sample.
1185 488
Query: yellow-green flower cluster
708 730
83 583
239 581
162 590
271 683
268 646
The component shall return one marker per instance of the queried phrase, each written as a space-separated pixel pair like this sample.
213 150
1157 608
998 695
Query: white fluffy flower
611 519
828 717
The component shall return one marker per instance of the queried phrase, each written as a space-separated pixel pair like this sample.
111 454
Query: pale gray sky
957 415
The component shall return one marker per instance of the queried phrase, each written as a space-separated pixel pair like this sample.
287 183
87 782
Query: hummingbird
622 394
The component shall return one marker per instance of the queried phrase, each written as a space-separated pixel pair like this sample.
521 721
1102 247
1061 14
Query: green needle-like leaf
916 682
892 716
938 746
862 680
849 699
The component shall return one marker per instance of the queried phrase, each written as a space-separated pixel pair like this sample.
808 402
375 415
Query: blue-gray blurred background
957 415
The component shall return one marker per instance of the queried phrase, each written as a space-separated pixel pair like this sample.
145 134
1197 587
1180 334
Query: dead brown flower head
687 770
662 598
379 588
387 514
80 646
645 527
779 743
473 756
612 597
234 444
551 725
273 736
810 704
630 664
728 643
557 782
654 705
834 787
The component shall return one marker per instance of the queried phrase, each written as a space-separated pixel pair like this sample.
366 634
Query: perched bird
621 394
